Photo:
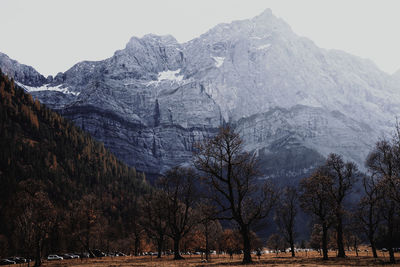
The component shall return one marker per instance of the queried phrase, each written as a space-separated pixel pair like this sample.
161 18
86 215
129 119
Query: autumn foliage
60 190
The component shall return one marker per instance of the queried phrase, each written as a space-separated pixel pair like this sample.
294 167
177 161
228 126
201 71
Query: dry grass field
311 259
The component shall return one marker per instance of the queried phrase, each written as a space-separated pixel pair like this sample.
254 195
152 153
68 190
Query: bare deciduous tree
383 163
134 216
230 241
316 238
368 211
179 186
231 176
155 218
209 225
315 200
84 221
285 215
36 216
276 242
343 175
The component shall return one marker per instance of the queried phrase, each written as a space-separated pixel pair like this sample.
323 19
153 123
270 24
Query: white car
54 257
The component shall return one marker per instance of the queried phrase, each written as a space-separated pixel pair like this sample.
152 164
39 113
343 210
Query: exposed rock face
22 73
292 101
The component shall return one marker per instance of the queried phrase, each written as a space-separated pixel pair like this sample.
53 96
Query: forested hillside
59 188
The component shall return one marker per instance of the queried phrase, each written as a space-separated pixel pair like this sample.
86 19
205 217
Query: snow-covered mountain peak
160 39
267 13
153 40
152 100
260 27
268 21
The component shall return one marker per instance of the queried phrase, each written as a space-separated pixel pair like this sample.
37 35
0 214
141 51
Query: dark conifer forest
60 190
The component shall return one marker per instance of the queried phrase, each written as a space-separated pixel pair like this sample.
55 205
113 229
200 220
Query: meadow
282 259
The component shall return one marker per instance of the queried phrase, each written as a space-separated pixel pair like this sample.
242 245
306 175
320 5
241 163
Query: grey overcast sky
53 35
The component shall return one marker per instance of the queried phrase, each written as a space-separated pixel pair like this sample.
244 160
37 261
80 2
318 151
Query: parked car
70 256
54 257
6 262
84 255
67 256
17 259
117 253
98 253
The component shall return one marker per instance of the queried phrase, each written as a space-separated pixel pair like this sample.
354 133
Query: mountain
56 181
33 141
22 73
292 101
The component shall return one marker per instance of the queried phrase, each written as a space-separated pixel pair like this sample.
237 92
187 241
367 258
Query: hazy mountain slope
150 101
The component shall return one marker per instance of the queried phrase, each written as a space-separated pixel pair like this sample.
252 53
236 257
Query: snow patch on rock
168 75
47 87
219 61
261 37
171 75
264 47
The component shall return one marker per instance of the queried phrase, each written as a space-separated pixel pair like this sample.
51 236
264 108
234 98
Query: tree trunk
137 244
246 245
390 233
207 245
339 232
356 245
160 242
292 249
374 251
391 256
177 255
372 242
291 241
87 243
373 247
325 241
38 255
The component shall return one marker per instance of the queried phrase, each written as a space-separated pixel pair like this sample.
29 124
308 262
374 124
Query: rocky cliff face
22 73
292 102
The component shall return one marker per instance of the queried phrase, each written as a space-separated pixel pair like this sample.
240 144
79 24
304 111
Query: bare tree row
231 177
